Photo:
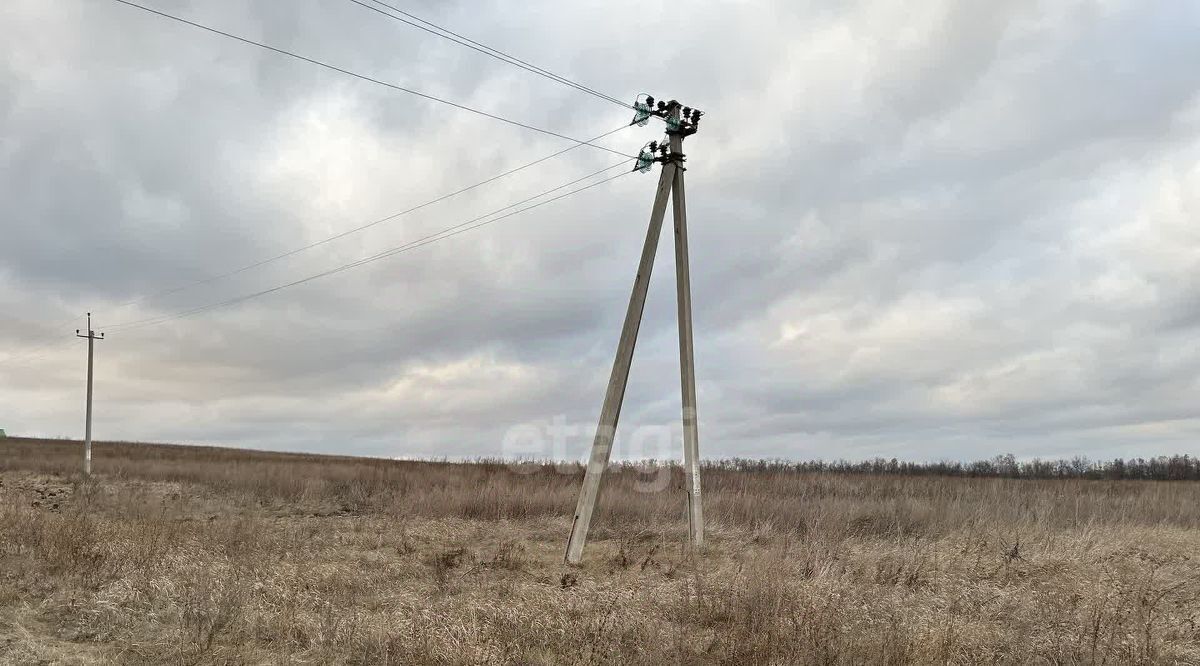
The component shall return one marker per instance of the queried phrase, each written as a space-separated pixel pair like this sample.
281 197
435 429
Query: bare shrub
211 600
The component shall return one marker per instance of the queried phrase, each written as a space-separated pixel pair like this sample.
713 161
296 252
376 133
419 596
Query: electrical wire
33 354
364 77
452 36
47 349
448 232
497 53
52 344
357 229
432 238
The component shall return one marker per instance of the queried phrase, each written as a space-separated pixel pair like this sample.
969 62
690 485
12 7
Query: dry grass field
208 556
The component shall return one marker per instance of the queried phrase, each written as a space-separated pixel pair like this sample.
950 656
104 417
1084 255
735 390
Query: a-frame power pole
681 122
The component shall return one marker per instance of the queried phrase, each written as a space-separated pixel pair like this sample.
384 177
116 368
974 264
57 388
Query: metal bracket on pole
681 122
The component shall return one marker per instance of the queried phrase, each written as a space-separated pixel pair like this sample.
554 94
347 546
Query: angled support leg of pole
611 411
683 284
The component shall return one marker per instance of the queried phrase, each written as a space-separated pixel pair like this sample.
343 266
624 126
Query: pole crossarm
681 122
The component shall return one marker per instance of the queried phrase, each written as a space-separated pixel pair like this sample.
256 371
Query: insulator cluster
686 122
657 151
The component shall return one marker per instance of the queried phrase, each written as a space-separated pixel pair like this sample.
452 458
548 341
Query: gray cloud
943 230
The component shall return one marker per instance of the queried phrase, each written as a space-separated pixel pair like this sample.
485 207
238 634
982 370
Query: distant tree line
1160 468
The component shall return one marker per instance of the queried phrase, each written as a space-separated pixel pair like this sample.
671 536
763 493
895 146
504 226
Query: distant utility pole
87 432
681 123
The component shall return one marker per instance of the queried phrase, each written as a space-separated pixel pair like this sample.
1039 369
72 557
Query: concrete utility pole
87 432
687 369
681 122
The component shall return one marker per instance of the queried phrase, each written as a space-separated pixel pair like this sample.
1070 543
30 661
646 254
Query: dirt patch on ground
38 490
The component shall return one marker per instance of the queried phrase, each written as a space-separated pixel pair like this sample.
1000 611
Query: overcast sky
940 229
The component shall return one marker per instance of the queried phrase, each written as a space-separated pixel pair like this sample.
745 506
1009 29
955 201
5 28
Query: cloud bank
938 230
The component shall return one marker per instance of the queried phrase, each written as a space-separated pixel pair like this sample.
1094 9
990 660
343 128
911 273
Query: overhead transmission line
443 234
33 354
363 227
42 350
434 29
364 77
465 41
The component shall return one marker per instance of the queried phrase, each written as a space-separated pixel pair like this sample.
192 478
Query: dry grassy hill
174 554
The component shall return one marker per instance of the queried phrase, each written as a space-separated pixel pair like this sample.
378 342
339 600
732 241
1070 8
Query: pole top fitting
682 120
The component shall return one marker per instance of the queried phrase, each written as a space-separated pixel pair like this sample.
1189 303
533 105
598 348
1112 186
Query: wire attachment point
642 110
645 158
680 119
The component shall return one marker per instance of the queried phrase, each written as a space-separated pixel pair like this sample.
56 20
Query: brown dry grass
194 555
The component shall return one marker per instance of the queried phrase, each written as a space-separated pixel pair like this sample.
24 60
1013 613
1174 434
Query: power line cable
364 77
497 53
442 235
32 354
357 229
51 344
452 36
448 232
